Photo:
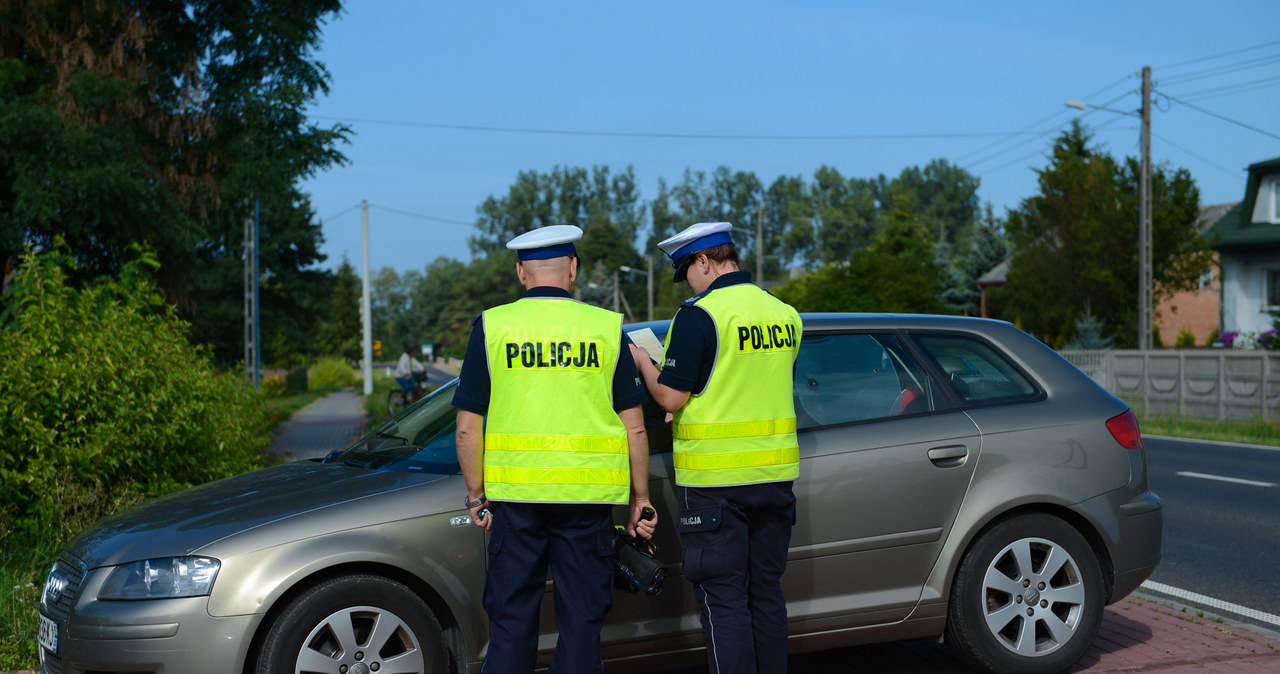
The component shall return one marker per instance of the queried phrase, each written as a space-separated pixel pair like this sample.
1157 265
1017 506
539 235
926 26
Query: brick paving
1140 633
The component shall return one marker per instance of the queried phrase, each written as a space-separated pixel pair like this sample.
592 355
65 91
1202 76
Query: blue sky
900 83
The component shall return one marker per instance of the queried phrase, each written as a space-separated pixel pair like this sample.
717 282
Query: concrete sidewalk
332 422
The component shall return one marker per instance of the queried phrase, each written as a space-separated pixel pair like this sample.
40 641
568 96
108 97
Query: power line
405 213
1233 174
1035 124
1214 56
420 215
1227 119
684 136
1045 133
335 217
1228 87
1221 70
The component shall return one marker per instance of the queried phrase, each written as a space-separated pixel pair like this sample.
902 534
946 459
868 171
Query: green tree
1076 241
339 334
897 272
124 121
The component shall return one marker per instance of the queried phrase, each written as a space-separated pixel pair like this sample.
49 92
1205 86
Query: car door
885 463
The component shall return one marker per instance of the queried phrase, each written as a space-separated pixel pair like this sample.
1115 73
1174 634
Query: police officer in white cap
564 443
727 380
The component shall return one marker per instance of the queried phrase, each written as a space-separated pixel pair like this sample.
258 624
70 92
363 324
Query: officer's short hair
725 252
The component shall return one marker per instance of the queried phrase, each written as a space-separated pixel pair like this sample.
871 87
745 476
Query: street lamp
1145 304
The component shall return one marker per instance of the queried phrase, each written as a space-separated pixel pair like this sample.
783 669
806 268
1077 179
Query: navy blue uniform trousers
735 542
576 541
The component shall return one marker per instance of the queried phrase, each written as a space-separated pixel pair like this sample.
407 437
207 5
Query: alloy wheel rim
1033 597
360 640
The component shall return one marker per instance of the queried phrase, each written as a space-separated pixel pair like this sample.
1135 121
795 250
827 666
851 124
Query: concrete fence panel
1220 384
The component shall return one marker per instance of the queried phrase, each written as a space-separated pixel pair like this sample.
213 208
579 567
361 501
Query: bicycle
395 401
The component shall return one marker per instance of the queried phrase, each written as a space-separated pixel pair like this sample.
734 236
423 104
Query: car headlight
164 578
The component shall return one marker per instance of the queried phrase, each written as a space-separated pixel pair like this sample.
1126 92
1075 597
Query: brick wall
1196 310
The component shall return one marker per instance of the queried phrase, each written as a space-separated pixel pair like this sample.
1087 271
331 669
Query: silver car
958 480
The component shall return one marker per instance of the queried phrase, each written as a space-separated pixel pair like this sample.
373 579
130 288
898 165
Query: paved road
1221 520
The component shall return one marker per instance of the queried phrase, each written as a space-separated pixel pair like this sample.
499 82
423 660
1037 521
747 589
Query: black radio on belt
635 569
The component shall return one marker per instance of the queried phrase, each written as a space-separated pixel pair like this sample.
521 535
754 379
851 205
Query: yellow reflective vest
551 433
741 428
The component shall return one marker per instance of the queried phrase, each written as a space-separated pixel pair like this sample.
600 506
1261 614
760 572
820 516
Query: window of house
1275 200
1206 278
1273 289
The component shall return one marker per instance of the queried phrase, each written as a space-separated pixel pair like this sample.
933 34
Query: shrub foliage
105 402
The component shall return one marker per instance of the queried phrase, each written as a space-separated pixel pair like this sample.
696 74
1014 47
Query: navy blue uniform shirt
691 354
472 393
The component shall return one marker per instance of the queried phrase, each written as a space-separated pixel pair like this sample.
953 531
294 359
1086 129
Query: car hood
186 521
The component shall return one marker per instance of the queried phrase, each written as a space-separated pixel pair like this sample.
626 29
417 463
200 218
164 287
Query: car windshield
418 440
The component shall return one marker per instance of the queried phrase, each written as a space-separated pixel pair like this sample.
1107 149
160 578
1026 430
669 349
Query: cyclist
407 375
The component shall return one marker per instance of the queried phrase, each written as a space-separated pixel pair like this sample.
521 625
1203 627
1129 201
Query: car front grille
70 571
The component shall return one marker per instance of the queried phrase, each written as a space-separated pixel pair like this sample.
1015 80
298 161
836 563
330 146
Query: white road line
1210 602
1220 478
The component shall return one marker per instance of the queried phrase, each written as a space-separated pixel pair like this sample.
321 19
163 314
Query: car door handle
950 456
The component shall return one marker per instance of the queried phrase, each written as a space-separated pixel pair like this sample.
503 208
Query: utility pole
648 283
366 318
1145 308
251 355
760 247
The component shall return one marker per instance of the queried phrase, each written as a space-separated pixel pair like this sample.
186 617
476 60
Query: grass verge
1256 432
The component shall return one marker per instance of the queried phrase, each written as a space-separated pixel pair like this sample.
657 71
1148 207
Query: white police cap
694 238
546 242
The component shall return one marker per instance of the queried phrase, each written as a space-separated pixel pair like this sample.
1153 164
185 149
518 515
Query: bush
272 387
105 402
1186 339
332 372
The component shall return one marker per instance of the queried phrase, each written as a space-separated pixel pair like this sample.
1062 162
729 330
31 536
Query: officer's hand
482 516
641 357
637 525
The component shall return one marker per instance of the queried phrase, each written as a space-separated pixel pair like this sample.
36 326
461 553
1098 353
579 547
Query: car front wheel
1027 597
357 623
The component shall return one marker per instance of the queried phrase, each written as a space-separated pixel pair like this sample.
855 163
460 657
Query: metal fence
1217 384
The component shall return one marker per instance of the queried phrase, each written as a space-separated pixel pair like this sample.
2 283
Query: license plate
48 636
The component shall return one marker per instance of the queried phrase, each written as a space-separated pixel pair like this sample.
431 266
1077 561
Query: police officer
726 377
564 443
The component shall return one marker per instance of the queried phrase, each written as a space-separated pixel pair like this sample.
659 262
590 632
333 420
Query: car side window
843 378
976 371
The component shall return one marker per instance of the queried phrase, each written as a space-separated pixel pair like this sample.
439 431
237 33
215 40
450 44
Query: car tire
1027 597
354 623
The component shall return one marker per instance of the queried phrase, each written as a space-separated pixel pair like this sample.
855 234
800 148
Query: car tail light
1124 428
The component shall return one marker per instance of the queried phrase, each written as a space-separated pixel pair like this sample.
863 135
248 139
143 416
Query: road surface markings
1220 478
1210 602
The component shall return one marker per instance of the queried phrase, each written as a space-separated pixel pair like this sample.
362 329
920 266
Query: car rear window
976 371
851 377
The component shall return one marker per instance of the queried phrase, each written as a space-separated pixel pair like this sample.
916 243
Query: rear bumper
1136 534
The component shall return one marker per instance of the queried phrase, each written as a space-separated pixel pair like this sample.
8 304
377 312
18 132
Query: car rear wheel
1027 597
354 624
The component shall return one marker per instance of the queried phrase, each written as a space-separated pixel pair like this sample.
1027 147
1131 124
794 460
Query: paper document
645 339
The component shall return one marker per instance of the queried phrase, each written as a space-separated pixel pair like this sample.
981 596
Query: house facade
1247 240
1199 311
